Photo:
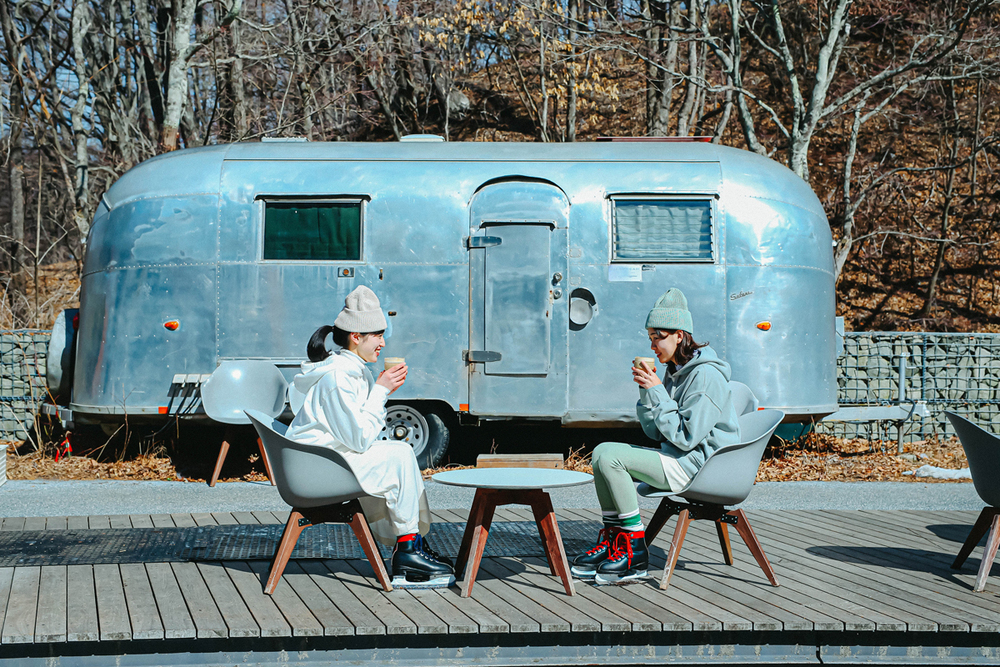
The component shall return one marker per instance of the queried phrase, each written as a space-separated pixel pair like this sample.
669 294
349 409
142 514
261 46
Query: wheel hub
404 424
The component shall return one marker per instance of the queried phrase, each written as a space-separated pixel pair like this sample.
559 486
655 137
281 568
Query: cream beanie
671 312
361 313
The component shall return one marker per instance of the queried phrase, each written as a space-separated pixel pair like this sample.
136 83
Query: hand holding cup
394 375
644 372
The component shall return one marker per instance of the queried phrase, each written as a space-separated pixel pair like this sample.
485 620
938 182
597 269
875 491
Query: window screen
312 230
659 230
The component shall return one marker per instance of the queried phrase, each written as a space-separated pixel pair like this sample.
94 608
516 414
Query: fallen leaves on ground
812 458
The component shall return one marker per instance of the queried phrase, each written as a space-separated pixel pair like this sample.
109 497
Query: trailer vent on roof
416 138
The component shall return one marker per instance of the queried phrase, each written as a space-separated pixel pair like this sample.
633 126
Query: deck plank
13 523
836 574
263 608
296 612
142 609
200 602
456 621
224 519
364 621
332 620
162 520
204 519
50 625
485 619
6 578
174 614
748 577
981 611
245 518
19 624
82 623
916 589
183 520
235 613
364 589
426 621
141 521
34 523
119 521
112 610
510 571
56 523
77 523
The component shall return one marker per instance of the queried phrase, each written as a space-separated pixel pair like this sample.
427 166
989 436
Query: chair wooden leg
223 450
359 524
663 512
727 548
746 532
979 529
989 553
288 539
683 521
267 462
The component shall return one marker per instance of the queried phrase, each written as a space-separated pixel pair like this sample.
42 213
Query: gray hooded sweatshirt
691 414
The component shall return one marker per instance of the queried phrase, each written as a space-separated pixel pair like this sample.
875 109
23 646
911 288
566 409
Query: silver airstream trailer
515 277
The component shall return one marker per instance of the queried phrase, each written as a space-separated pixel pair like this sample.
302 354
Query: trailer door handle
480 356
483 241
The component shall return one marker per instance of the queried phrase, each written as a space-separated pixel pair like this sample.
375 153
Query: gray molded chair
725 480
982 448
742 397
320 487
241 385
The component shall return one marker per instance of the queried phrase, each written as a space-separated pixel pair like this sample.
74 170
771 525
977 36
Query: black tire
424 430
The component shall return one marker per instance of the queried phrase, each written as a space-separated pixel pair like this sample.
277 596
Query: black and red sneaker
585 565
628 560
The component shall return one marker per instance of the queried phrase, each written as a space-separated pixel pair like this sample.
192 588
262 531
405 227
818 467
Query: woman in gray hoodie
689 414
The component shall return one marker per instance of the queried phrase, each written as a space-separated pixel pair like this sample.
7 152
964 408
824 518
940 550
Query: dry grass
813 458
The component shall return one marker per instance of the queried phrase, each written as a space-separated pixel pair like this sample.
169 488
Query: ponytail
316 349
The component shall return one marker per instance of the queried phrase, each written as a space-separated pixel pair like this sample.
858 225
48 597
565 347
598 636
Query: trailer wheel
426 432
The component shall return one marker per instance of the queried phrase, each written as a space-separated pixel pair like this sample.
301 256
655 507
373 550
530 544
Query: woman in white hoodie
343 408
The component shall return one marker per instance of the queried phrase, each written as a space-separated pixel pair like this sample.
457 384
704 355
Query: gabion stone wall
22 380
950 372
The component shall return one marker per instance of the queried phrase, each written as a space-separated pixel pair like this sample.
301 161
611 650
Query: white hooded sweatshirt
343 409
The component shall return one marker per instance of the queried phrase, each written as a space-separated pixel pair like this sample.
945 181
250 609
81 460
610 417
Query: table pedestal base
478 529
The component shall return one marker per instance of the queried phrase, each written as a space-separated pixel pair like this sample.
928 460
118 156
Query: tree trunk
571 29
81 163
182 19
15 161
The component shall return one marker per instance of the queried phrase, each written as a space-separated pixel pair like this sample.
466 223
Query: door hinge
483 241
480 356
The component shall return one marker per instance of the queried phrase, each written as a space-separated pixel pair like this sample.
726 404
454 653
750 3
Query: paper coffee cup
391 362
650 362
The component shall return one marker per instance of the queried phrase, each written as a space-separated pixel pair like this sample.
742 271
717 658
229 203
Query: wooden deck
855 587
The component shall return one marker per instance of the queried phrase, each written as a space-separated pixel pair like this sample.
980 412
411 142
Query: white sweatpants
389 473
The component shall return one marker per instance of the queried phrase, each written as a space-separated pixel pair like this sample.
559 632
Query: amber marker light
173 325
764 326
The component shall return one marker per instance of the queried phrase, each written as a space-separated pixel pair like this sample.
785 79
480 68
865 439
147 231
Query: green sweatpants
615 465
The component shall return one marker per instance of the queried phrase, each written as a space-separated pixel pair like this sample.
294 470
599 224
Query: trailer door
517 358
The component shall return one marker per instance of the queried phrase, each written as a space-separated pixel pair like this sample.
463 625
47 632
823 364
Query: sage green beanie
671 312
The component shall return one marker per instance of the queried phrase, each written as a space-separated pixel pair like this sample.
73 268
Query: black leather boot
414 567
628 560
585 565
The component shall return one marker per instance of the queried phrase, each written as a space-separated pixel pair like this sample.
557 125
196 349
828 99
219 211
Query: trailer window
658 230
312 230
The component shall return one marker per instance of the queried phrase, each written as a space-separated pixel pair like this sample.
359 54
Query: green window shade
657 230
302 230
